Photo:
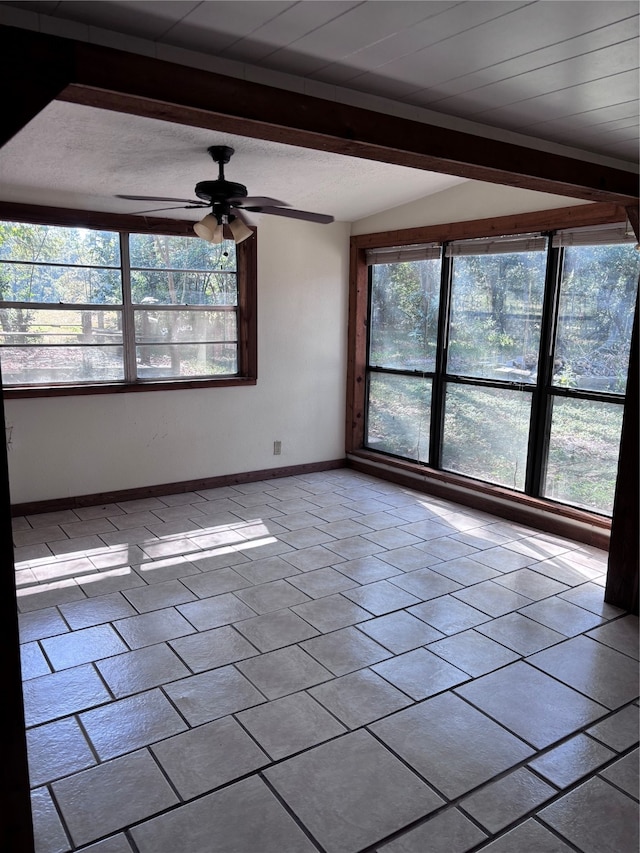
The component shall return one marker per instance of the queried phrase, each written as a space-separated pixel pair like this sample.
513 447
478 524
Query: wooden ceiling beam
110 79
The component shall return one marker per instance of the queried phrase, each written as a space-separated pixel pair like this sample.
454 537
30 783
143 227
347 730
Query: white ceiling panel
292 24
531 61
561 72
579 71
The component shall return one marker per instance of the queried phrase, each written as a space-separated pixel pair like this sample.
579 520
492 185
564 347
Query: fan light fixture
209 229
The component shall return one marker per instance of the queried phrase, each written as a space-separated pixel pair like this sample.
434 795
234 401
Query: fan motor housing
220 190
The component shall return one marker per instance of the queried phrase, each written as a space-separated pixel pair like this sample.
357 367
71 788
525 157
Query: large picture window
504 359
84 307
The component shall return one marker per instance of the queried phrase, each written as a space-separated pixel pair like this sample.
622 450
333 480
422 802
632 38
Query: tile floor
325 662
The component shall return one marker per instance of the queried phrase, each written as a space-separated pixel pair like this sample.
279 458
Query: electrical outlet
277 448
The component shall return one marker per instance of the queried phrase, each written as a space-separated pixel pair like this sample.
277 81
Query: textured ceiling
549 73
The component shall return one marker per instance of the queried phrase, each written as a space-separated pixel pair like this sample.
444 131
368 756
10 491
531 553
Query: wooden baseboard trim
542 515
57 504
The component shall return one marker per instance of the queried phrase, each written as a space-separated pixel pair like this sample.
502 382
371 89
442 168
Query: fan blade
256 201
161 198
241 215
294 214
157 209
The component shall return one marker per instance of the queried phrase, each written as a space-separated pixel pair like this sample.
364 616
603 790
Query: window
504 359
84 307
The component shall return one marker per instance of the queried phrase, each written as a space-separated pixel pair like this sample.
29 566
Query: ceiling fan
227 201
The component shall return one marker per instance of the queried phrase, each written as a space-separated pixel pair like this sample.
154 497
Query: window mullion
438 388
128 320
541 402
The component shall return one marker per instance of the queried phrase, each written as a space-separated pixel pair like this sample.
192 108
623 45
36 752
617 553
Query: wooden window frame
246 257
553 516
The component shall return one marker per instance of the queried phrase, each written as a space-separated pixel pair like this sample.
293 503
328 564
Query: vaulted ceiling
553 75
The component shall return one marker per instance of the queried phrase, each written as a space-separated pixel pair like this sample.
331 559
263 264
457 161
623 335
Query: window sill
126 388
557 519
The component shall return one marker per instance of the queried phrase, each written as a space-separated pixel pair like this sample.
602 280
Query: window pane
53 244
486 433
41 283
183 288
404 315
597 300
158 251
63 364
496 309
187 326
583 453
163 361
399 415
32 326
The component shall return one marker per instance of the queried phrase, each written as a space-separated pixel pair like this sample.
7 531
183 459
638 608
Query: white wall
69 446
470 200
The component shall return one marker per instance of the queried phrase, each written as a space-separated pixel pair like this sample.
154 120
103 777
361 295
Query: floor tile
420 673
621 634
399 632
425 584
448 832
567 570
429 529
57 749
109 581
206 584
283 671
48 832
332 787
275 630
320 582
218 558
128 724
623 773
578 816
48 595
491 598
466 571
274 595
503 559
211 695
62 693
502 802
354 546
331 612
154 627
529 703
107 608
529 837
113 795
448 614
380 597
114 844
213 648
591 597
266 569
452 745
473 653
32 661
519 633
208 756
158 595
619 731
289 725
315 557
573 759
531 584
367 569
216 611
562 616
409 558
360 698
345 650
140 670
603 674
244 817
